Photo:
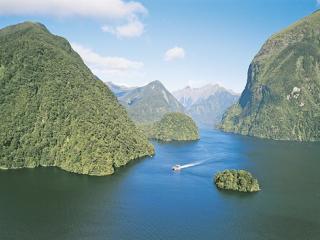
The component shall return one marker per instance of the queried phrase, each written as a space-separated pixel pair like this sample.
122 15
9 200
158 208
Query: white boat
176 167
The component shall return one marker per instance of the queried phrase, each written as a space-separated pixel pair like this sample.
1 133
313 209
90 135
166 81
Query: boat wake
193 164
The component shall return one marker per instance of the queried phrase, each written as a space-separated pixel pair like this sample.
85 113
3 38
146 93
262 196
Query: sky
179 42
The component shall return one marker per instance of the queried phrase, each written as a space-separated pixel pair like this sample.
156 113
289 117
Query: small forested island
172 127
237 180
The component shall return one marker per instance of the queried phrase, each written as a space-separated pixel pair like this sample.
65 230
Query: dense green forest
54 112
172 127
237 180
282 96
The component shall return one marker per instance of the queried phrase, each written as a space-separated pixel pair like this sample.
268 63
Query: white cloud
134 28
174 54
125 15
94 8
106 66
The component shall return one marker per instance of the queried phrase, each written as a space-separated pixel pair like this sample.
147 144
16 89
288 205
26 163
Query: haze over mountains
207 104
119 90
149 103
282 97
189 96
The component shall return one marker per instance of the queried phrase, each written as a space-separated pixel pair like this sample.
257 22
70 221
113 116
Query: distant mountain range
148 103
206 105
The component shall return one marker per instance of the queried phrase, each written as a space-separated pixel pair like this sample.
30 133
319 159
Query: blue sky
179 42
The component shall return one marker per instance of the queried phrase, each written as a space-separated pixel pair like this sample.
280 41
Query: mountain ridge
55 112
150 102
281 98
189 96
206 104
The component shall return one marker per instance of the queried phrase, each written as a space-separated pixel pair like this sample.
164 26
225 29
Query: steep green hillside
282 97
54 112
173 127
149 103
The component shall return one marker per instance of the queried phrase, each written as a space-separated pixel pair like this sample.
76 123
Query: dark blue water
147 201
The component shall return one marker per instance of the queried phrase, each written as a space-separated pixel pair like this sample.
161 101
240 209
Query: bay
146 200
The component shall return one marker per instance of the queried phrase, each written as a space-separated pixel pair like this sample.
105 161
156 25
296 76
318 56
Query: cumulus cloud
106 66
124 14
134 28
174 54
92 8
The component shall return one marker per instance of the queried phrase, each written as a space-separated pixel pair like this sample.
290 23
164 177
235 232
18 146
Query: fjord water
146 200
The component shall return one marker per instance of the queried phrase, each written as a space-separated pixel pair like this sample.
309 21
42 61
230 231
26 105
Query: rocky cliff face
282 97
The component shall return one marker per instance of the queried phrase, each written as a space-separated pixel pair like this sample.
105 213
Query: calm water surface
147 201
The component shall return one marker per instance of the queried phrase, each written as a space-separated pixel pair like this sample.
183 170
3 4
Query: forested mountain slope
282 97
55 112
